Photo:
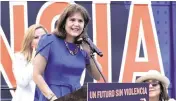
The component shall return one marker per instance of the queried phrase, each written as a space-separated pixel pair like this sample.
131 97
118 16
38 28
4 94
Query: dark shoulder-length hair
69 11
164 93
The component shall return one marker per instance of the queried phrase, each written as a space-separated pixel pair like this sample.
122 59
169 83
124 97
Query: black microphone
92 46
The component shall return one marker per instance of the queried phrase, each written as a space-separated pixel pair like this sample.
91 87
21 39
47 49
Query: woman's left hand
54 98
171 99
86 47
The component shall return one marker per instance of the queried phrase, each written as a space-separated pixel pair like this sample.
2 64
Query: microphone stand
93 58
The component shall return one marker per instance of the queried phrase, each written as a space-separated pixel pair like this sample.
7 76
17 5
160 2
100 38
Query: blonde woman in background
22 66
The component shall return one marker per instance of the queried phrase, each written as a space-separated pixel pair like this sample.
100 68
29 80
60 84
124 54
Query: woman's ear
33 45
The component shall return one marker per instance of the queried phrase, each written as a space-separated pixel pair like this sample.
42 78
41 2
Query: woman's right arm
39 64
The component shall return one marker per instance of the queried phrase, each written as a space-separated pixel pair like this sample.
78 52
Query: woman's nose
150 85
76 23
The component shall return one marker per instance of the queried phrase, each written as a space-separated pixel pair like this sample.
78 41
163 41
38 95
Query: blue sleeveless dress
63 70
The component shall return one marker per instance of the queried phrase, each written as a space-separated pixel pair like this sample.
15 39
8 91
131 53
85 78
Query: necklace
70 51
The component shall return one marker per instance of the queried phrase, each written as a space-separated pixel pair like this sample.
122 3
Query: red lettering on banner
19 26
19 30
102 37
6 62
140 13
50 12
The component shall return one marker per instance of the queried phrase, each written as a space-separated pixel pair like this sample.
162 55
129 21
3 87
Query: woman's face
74 25
154 88
38 33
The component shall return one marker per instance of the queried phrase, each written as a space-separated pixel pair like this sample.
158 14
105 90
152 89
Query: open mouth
75 29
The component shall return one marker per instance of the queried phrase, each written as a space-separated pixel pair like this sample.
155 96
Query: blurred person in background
158 85
22 66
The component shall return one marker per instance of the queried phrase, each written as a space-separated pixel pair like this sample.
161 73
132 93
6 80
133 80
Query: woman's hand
53 98
86 47
172 99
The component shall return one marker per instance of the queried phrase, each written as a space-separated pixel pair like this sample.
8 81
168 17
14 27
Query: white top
23 71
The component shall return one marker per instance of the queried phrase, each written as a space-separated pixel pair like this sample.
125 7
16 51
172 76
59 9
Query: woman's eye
36 37
72 20
80 20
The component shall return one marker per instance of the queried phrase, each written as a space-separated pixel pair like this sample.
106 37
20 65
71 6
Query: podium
79 95
109 92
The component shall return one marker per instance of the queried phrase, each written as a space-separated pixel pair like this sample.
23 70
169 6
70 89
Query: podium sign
118 92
